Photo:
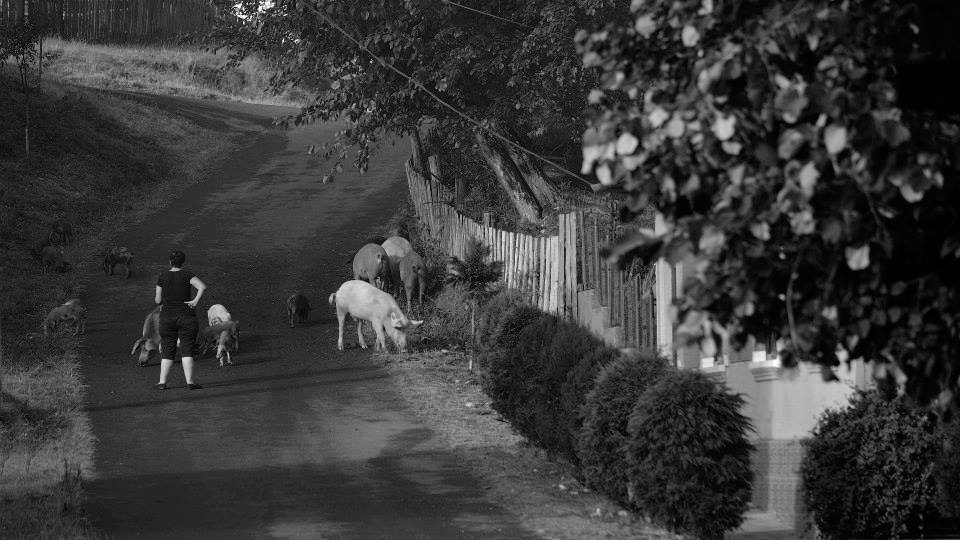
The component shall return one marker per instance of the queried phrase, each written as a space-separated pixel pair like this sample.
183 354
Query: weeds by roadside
181 71
46 445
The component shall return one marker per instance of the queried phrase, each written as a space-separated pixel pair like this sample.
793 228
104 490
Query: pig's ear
396 320
413 325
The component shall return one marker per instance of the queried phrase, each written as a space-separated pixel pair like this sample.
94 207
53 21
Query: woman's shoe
193 386
161 386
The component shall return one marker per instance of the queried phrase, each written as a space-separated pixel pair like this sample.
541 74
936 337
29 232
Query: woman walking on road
178 318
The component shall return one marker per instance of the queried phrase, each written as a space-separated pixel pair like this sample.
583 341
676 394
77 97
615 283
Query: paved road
298 440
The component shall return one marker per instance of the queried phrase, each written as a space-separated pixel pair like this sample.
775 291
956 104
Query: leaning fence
563 273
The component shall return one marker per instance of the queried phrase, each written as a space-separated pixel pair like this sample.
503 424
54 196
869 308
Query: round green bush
491 314
688 457
512 321
868 470
512 375
606 411
570 346
947 471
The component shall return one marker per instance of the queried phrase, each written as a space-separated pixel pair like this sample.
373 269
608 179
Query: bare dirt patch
541 490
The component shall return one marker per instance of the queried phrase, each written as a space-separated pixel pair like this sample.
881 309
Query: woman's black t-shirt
175 287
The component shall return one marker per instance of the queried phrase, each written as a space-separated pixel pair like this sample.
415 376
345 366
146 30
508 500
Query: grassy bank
98 162
163 70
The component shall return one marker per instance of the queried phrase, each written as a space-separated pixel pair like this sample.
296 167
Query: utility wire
485 13
440 100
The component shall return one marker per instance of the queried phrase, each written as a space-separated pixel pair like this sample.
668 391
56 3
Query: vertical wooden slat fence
117 21
551 272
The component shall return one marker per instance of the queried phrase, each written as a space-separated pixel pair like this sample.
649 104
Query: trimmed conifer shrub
688 457
868 469
573 395
513 321
571 345
512 376
606 412
492 314
947 471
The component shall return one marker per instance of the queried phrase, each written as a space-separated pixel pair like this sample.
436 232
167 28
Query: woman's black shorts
178 324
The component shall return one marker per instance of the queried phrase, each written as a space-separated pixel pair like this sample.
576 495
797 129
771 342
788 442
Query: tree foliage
521 76
803 196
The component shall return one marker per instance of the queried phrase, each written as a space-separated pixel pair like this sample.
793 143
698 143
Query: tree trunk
21 9
416 147
460 192
40 66
1 357
510 178
532 172
25 83
26 125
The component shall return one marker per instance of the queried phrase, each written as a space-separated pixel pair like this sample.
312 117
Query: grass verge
170 70
521 478
99 162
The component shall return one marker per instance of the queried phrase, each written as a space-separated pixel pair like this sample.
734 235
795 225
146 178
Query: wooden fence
117 21
555 273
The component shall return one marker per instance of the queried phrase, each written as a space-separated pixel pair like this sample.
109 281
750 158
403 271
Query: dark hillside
93 155
97 161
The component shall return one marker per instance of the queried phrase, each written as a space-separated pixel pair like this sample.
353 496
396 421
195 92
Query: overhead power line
438 99
485 13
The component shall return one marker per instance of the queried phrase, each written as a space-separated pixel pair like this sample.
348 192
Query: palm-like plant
475 274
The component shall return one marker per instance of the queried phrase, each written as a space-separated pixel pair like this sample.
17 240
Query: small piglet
364 302
52 258
226 336
118 255
150 339
298 306
71 312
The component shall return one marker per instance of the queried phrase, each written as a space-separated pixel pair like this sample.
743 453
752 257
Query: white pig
364 302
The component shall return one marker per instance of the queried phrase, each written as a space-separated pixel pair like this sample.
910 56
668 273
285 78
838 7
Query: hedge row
668 444
672 445
880 468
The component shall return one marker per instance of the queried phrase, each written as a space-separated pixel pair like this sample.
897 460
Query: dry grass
46 447
164 70
541 491
100 162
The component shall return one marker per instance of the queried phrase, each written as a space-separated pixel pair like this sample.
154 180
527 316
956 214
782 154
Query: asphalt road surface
298 440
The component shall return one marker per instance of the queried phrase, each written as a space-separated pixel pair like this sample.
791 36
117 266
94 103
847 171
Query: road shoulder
540 491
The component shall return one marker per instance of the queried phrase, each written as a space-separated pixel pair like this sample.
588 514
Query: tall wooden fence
117 21
556 273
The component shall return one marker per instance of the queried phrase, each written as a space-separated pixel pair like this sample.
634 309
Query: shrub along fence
115 21
551 272
614 417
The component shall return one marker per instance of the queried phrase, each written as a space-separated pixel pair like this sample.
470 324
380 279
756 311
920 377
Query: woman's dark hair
177 258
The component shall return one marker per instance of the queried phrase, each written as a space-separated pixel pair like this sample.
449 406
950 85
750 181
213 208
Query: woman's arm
158 297
200 287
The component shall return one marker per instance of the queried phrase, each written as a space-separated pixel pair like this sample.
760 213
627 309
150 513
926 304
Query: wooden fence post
561 264
571 253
